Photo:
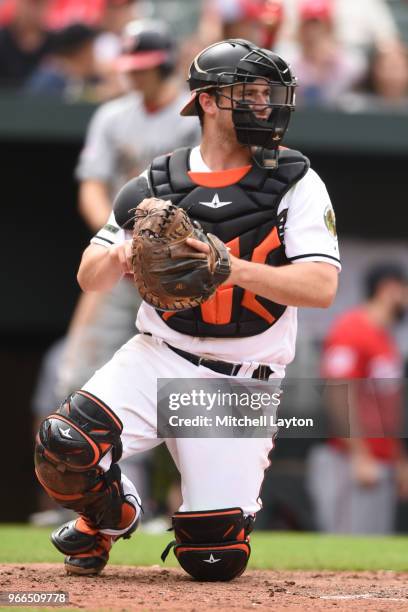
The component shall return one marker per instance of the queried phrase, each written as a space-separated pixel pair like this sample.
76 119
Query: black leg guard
70 444
212 545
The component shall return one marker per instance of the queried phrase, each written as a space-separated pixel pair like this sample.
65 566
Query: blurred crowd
346 54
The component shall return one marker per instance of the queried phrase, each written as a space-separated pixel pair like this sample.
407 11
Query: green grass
270 550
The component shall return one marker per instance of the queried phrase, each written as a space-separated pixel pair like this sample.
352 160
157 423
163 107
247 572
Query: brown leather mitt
170 274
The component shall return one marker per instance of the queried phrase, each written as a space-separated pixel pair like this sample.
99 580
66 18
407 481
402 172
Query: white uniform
216 473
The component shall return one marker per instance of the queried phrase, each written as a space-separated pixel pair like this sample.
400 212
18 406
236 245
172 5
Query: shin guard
212 545
70 444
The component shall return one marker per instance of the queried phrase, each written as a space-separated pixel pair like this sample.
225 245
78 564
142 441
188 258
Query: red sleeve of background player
342 351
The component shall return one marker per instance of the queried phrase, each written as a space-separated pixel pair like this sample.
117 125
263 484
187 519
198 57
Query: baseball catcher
268 209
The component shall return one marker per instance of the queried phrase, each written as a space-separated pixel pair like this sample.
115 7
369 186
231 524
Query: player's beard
226 133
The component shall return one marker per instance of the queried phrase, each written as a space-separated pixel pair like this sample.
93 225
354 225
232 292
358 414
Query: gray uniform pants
111 324
340 503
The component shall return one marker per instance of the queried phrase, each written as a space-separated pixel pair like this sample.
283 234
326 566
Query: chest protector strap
244 215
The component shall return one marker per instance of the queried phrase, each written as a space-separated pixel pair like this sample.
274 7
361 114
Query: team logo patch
211 559
215 202
65 432
330 221
111 228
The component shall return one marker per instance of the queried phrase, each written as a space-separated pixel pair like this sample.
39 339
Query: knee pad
212 545
69 446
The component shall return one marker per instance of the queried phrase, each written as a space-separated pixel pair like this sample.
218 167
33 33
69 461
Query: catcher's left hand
170 273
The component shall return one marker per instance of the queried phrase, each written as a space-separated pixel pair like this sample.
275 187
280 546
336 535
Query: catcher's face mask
261 110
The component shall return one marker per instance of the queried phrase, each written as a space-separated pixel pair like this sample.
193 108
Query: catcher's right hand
168 272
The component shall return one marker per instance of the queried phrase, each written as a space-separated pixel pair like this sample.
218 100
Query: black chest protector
244 216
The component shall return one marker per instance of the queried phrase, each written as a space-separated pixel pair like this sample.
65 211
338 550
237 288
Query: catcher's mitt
169 273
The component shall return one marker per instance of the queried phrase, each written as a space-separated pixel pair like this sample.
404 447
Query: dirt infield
122 588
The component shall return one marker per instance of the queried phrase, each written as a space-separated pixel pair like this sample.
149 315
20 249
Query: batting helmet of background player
147 44
235 61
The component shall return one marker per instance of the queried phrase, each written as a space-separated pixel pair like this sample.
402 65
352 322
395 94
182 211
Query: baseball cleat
87 549
92 562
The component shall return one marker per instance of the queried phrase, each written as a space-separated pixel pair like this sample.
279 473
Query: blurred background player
123 137
366 468
116 14
125 134
45 393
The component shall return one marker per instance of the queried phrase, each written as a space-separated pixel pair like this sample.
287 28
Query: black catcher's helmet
236 61
147 44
